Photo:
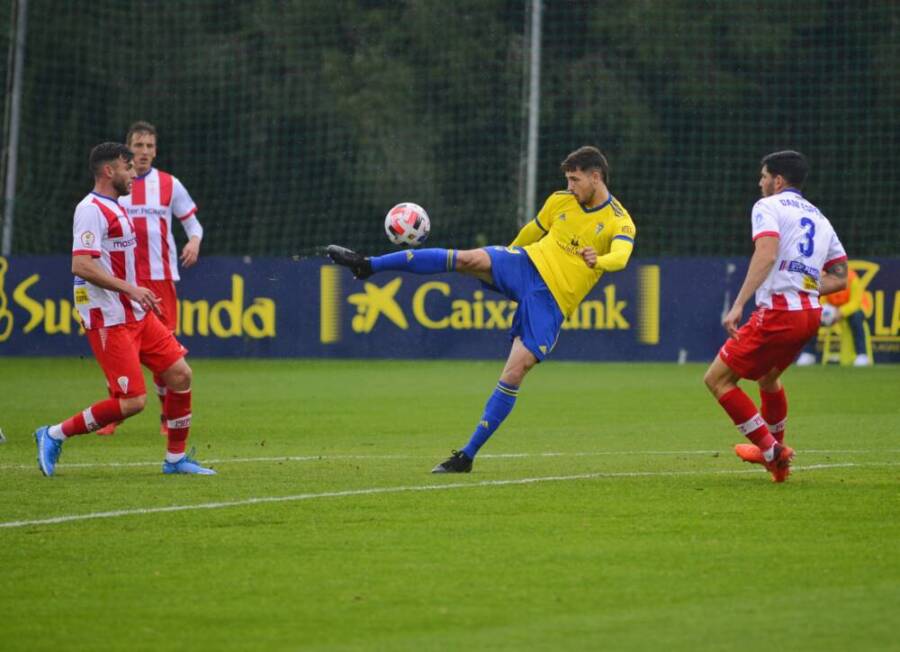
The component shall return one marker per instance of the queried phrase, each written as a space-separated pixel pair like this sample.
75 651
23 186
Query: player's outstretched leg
417 261
357 263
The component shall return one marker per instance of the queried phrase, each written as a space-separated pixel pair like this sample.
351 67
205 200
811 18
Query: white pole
17 57
534 101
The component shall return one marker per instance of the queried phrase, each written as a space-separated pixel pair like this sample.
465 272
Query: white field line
404 489
329 458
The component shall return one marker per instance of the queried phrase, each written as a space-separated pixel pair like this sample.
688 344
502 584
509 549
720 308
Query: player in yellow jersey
555 260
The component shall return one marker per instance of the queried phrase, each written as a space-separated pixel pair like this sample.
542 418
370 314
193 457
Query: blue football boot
48 450
186 465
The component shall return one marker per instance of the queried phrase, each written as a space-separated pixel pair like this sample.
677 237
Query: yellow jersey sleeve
545 216
531 232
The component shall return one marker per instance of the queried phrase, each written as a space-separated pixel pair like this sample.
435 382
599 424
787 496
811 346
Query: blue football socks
418 261
498 407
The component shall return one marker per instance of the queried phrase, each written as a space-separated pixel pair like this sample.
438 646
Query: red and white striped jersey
807 245
102 230
155 197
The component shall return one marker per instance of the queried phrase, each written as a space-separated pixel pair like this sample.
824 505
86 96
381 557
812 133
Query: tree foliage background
299 123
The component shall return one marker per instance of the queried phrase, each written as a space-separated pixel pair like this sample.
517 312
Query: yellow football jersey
567 228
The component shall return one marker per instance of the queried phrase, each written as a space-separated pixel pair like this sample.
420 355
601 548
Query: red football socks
92 418
774 411
178 419
745 416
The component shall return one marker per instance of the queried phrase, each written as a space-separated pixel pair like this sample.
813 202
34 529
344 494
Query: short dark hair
139 127
107 153
587 158
789 164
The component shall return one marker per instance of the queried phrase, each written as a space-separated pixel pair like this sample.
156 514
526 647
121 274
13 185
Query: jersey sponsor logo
571 247
800 268
88 239
146 211
599 228
123 243
562 217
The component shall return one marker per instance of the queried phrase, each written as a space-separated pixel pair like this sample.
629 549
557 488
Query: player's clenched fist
589 254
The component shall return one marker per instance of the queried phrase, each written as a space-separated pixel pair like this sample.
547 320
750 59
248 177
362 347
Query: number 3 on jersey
807 244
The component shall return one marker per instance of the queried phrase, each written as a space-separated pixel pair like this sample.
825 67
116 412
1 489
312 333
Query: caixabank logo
407 303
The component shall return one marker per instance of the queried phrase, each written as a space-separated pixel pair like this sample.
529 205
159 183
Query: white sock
56 432
174 458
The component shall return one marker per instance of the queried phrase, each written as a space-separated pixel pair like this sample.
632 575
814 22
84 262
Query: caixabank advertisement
655 310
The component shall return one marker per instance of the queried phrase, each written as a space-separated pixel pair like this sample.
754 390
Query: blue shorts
538 318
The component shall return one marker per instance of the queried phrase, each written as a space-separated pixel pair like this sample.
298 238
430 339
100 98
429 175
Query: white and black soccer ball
407 225
830 314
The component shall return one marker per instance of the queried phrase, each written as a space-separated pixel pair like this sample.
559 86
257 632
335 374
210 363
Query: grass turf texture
678 544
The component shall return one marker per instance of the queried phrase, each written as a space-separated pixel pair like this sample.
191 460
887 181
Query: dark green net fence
296 124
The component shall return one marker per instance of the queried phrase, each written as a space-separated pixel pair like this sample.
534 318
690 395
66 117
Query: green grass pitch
608 513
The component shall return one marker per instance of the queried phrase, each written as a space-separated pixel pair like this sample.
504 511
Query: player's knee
132 405
464 260
470 260
712 381
515 374
179 376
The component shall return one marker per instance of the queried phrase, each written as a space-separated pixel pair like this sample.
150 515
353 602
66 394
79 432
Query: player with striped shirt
120 320
155 198
553 263
797 258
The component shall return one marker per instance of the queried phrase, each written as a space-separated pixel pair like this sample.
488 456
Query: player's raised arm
531 232
538 227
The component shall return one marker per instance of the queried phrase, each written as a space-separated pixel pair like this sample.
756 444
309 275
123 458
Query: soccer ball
407 225
830 314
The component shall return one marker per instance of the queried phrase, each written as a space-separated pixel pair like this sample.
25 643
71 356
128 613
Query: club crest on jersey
87 239
123 383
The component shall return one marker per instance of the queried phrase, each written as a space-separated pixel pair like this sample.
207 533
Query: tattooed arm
834 279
